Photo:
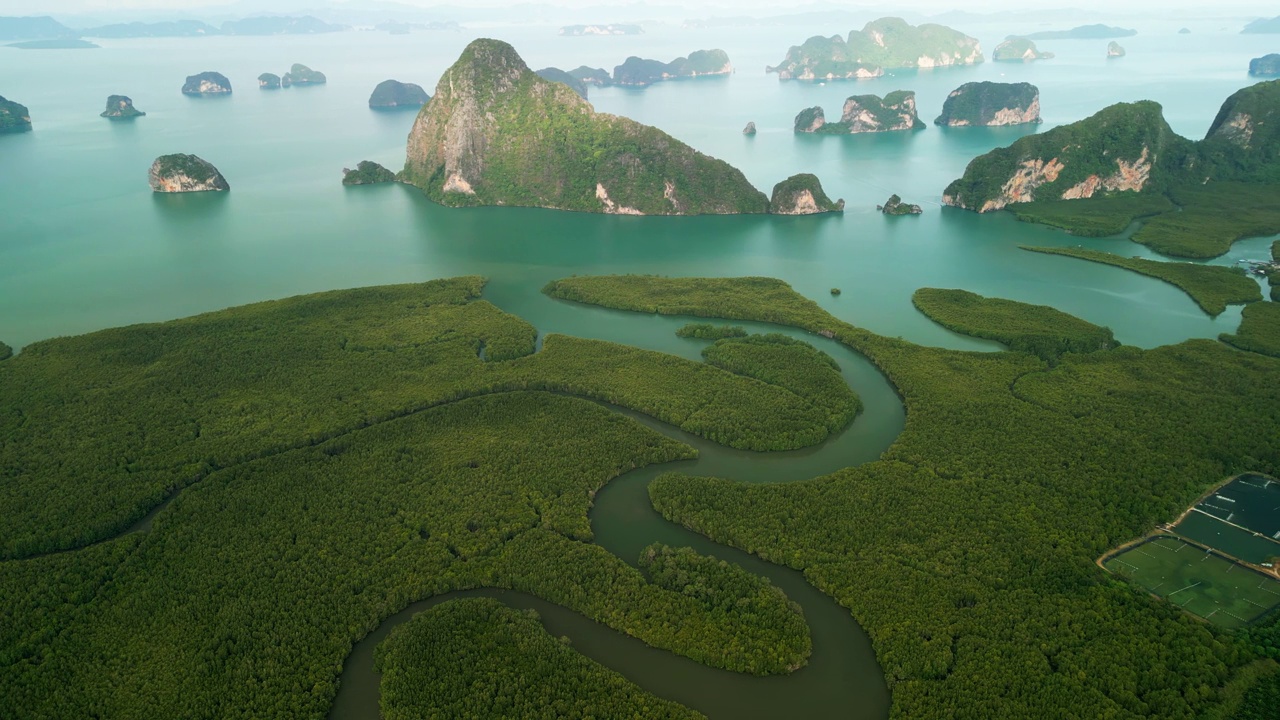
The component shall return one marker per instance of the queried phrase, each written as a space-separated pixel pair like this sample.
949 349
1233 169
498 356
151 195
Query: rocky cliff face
367 172
181 173
865 113
991 104
391 94
1114 50
884 43
1244 138
750 129
268 81
207 83
1266 65
14 117
120 107
895 206
495 133
802 195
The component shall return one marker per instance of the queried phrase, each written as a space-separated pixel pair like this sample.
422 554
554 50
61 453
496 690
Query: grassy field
1203 583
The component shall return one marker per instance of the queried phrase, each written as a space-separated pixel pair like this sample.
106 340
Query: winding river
842 678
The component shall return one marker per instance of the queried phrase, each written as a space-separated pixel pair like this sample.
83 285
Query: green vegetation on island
207 83
120 107
703 331
991 104
1083 32
598 77
885 43
300 74
6 352
391 94
269 81
700 63
367 172
964 550
802 194
1213 287
1259 331
896 111
181 172
1097 217
497 134
1043 331
476 657
1266 65
1273 276
14 117
1018 49
1115 50
895 206
553 74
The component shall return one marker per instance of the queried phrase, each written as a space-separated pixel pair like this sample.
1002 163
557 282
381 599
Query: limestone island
1265 65
895 206
1018 49
598 77
1263 25
367 172
864 114
750 129
64 43
1127 148
180 173
300 74
991 104
1083 32
554 74
1184 31
885 43
1114 50
700 63
14 118
802 195
120 107
207 83
393 94
483 140
610 29
268 81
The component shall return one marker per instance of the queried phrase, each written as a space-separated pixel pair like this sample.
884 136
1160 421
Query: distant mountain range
44 28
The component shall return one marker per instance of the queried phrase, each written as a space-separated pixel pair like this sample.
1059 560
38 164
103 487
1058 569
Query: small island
1083 32
300 74
1184 31
991 104
637 71
1263 25
393 94
750 129
14 117
555 74
885 43
268 81
120 107
180 173
610 29
207 83
1114 50
64 43
1265 66
863 114
367 172
895 206
1018 49
802 195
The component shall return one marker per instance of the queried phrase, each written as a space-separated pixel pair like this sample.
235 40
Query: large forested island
991 104
14 117
884 43
896 111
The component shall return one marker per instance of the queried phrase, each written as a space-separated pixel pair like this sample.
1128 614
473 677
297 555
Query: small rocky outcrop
1018 49
14 117
802 195
120 107
269 81
1266 65
180 173
1114 50
991 104
555 74
207 83
750 129
300 74
895 206
700 63
865 113
393 94
1184 31
367 172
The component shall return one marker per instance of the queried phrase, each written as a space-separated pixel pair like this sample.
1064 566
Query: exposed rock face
700 63
1266 65
300 74
866 113
14 117
991 104
1018 49
367 173
1114 50
554 74
185 173
802 195
750 129
207 83
1250 120
484 140
268 81
120 107
884 43
390 94
895 206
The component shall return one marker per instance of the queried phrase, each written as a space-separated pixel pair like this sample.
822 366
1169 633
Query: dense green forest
1099 216
343 455
1259 329
967 551
478 658
702 331
1038 329
1213 287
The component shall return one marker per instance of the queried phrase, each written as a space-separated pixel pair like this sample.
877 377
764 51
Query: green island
865 113
1043 331
802 194
554 74
896 207
14 117
1213 287
183 172
300 74
1083 32
120 107
991 104
269 81
1115 50
1018 49
702 331
367 172
296 471
700 63
1096 176
967 551
1265 66
1259 329
889 42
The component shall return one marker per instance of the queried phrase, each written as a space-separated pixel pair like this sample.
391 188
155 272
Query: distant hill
305 25
33 28
1263 25
1084 32
176 28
